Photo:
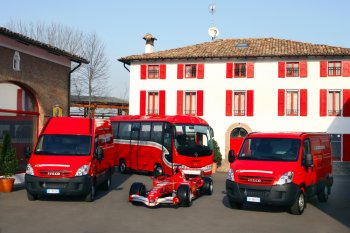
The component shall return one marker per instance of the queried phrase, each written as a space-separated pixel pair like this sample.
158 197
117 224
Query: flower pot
6 184
215 166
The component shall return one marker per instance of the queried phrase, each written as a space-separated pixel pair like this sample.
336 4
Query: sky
121 25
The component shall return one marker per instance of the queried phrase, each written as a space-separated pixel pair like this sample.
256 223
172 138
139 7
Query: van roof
282 134
176 119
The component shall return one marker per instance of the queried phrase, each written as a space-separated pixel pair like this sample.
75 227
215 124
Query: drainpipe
126 67
69 82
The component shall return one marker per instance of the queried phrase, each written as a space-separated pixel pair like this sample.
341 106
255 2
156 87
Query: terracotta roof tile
257 47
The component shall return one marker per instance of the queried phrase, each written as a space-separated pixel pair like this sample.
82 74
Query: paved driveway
111 212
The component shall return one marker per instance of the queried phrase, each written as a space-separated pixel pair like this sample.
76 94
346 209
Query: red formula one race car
178 189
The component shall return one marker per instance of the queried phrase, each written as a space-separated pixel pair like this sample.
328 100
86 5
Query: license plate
253 199
52 191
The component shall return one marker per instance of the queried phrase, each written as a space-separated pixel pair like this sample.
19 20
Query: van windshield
273 149
193 140
49 144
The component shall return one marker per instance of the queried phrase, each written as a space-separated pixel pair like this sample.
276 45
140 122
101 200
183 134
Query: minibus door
134 142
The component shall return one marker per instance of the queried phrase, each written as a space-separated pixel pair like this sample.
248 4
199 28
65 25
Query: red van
280 169
72 157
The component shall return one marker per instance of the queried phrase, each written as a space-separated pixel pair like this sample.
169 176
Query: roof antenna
213 31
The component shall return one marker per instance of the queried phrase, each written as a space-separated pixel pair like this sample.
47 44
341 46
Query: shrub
8 157
217 153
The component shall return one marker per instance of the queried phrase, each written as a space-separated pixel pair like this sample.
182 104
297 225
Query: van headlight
29 170
230 175
286 178
82 171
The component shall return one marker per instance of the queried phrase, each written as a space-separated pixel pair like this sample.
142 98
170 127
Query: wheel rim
122 167
301 202
211 187
109 183
159 171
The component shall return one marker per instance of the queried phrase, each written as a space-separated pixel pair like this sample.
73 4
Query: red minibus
158 143
281 169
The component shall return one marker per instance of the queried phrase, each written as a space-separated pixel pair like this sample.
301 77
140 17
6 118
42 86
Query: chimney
149 43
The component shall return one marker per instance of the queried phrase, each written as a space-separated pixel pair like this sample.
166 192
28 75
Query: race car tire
207 188
185 195
138 189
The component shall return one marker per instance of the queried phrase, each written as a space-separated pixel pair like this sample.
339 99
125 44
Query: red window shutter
180 102
303 102
228 103
161 102
323 68
346 102
180 71
162 72
303 69
200 103
142 103
346 68
281 94
229 70
281 69
250 70
143 71
250 103
200 73
323 102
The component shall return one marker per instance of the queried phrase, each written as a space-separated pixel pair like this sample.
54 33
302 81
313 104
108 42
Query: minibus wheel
122 166
322 196
298 206
185 195
207 187
158 170
31 197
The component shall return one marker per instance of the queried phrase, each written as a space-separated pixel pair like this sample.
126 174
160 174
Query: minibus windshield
193 140
63 145
272 149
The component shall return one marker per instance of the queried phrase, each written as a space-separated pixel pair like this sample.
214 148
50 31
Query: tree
90 79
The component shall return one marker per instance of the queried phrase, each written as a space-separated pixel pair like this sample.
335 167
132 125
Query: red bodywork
164 189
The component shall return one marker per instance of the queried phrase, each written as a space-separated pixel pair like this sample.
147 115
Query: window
153 71
334 68
16 61
292 69
191 71
240 70
115 126
239 103
157 131
145 132
153 103
190 103
334 100
292 102
124 130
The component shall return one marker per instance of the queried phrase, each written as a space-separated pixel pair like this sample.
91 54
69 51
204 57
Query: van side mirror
27 151
99 154
211 131
231 156
308 160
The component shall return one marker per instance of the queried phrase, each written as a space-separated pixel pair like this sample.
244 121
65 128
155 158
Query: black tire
185 195
322 195
90 197
207 188
235 205
106 185
31 197
138 189
158 170
122 166
299 204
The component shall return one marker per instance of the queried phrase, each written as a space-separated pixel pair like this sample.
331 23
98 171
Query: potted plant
8 164
217 156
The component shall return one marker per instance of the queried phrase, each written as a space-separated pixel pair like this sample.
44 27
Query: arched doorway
236 138
19 117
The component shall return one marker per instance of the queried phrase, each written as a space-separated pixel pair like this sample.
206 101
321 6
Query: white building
244 85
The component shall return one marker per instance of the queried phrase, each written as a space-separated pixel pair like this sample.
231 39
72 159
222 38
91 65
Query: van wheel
31 197
207 187
138 189
122 166
90 197
106 185
158 170
298 206
185 195
322 196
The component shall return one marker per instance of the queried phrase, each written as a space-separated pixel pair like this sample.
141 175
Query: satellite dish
213 32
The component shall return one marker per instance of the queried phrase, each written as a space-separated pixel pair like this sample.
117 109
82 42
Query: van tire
138 189
106 185
297 208
158 170
31 197
185 195
322 196
90 197
207 187
122 166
